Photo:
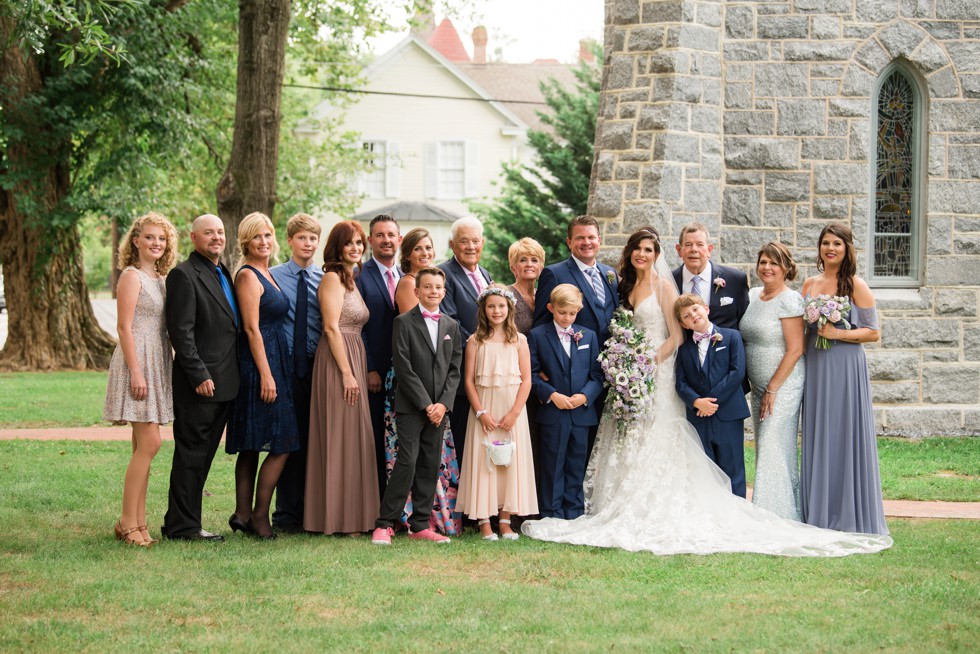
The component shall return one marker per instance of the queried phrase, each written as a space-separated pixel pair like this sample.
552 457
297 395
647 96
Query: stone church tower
765 120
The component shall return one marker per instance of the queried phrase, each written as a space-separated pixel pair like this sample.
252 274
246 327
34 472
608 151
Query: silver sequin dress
777 470
155 358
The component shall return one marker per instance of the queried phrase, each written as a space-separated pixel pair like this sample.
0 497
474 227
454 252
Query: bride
653 489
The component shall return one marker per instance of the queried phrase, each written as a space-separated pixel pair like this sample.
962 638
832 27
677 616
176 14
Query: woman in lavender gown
840 486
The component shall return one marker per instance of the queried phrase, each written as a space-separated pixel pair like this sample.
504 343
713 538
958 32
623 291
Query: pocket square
720 348
584 347
725 301
447 337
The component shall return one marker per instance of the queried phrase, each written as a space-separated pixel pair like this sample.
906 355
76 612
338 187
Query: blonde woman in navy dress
139 389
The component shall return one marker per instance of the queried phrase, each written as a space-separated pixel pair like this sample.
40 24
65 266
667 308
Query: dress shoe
429 535
236 524
200 535
254 531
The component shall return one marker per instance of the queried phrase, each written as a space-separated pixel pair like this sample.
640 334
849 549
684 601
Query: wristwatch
480 413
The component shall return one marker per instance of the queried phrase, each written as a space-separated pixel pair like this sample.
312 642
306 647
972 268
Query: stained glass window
895 218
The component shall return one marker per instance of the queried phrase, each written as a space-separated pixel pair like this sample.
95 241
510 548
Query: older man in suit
376 284
724 290
203 323
465 280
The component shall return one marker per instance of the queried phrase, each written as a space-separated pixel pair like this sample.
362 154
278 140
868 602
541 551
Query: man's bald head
208 236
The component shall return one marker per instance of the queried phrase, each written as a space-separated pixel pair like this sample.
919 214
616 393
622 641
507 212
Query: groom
597 281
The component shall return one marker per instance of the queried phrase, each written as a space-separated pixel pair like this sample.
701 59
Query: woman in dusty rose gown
341 473
139 390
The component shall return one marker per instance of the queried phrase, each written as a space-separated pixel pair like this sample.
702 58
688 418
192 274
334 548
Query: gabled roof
410 212
521 83
445 40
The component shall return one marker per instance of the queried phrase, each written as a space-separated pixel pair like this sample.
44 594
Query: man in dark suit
376 283
427 358
465 280
725 290
202 321
597 281
710 369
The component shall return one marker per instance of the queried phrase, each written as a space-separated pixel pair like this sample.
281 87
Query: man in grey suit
427 353
465 280
202 322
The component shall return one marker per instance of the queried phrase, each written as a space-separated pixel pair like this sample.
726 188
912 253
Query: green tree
538 200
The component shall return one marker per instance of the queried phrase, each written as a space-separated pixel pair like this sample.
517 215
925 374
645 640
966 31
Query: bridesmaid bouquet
827 308
628 365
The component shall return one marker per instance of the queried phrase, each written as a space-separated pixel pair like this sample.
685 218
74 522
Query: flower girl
497 473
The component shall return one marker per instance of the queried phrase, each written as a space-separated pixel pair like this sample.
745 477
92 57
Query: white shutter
393 170
360 179
471 174
431 170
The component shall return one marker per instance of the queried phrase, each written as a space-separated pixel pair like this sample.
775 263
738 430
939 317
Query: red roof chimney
446 42
479 44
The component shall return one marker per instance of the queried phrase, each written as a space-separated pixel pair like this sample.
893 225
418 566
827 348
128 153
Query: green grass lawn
51 399
66 585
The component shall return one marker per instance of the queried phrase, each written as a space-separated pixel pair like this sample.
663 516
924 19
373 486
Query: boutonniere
610 277
577 336
719 284
716 338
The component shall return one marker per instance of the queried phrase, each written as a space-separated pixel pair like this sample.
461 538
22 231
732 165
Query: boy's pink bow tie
430 315
698 336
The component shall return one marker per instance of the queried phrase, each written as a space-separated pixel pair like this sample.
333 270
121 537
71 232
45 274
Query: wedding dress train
653 489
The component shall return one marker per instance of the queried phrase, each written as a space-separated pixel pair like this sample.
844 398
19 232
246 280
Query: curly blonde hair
128 253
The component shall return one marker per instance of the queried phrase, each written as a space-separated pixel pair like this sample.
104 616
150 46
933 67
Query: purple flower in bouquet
824 309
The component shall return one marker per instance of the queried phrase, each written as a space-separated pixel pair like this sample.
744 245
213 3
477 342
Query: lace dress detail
155 358
656 491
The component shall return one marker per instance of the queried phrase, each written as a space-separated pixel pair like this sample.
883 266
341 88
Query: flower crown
496 290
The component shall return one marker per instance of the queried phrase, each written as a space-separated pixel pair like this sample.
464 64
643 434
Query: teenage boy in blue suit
568 356
710 369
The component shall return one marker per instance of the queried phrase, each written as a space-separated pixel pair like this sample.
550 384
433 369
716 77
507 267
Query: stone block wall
755 119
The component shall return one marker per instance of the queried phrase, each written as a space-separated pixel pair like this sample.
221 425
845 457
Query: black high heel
255 532
236 524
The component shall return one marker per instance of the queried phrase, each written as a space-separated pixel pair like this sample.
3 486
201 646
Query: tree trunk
249 182
51 324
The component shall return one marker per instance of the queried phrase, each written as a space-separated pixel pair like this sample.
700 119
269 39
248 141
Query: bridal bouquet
628 364
827 308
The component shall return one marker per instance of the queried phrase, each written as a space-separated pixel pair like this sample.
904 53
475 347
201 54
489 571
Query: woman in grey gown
840 486
772 328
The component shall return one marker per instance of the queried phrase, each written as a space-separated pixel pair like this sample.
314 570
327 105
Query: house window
375 155
896 223
452 170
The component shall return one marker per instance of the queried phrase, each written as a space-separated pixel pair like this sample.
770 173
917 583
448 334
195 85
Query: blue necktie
600 291
226 287
301 364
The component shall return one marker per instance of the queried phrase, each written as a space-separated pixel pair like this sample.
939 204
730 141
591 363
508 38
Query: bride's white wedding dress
655 490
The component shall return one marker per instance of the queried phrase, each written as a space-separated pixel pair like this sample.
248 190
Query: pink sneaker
382 536
428 534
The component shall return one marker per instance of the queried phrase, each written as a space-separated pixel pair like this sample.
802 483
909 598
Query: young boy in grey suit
427 352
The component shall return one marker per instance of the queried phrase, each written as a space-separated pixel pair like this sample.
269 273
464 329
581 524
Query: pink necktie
391 285
430 315
477 283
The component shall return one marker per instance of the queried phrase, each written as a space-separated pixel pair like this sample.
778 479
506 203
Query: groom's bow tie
698 336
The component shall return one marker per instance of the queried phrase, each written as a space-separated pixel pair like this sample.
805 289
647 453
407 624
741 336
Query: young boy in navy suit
567 378
710 368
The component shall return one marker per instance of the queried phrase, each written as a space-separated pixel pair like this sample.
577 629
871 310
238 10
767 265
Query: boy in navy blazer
568 356
710 368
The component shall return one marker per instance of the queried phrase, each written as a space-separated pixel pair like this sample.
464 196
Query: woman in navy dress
840 487
263 419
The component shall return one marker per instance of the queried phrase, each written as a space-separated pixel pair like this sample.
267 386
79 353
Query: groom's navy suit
593 315
721 375
564 432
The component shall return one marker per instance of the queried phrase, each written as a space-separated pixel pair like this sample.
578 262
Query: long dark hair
627 273
342 233
848 267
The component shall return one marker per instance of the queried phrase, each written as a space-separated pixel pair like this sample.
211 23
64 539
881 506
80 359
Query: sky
524 30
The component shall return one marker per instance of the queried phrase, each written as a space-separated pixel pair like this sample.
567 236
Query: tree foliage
538 200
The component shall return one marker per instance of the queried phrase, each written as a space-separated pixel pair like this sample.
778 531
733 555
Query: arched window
896 221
